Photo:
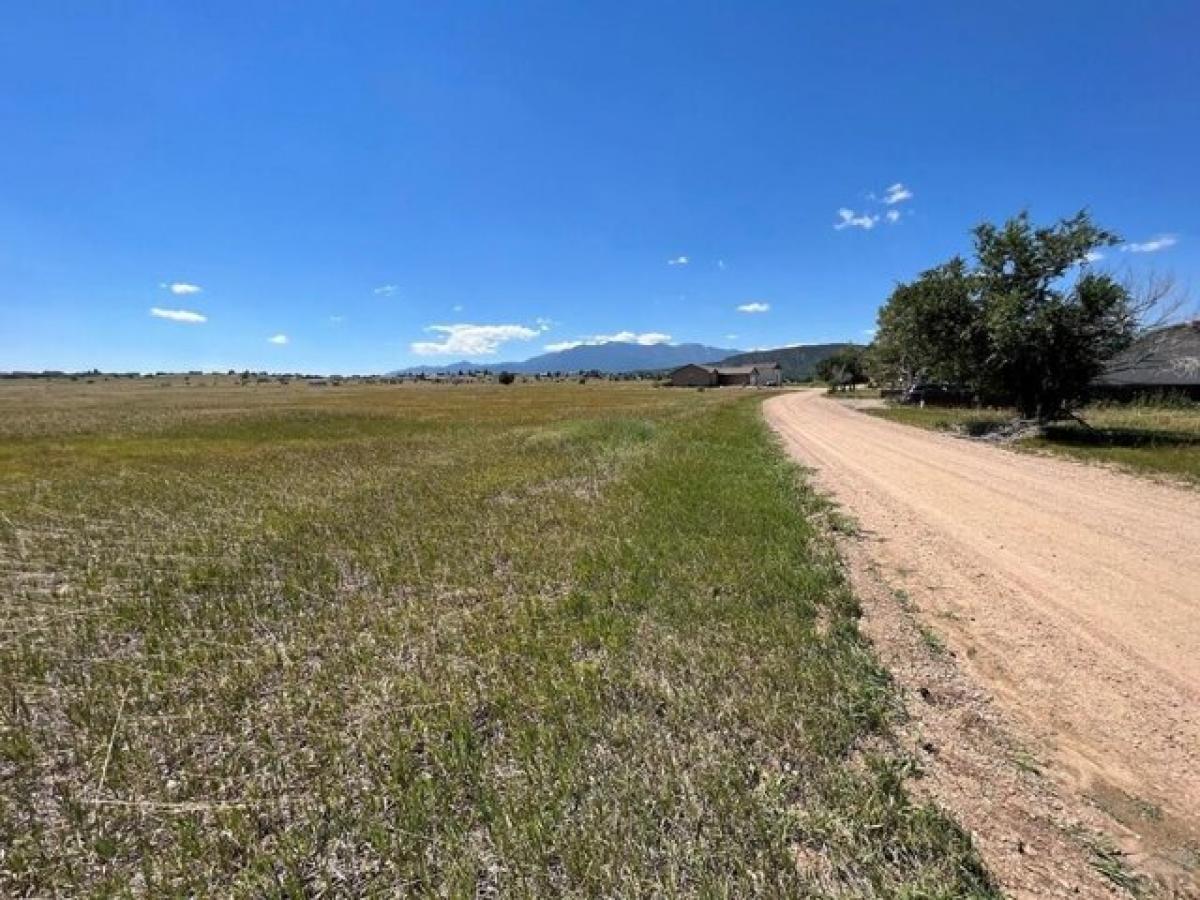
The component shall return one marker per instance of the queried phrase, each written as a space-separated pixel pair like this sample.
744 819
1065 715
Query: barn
758 375
1166 360
735 375
693 375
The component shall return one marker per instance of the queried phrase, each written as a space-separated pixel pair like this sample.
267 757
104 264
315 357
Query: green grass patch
529 641
935 418
1147 438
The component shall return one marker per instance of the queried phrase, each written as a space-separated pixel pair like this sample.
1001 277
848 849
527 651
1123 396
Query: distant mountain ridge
798 363
611 358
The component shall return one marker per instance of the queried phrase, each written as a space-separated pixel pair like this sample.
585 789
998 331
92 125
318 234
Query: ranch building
757 375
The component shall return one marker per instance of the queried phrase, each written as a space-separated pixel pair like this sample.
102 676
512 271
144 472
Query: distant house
758 375
1166 360
693 375
768 374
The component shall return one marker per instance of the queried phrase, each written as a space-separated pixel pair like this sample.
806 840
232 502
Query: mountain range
616 357
610 358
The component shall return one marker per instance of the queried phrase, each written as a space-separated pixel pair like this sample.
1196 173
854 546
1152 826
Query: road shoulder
1036 842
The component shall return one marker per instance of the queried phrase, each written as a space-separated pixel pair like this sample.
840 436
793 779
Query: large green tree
928 329
1029 322
843 369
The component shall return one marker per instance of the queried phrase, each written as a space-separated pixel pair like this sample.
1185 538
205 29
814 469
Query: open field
1148 438
1068 592
538 640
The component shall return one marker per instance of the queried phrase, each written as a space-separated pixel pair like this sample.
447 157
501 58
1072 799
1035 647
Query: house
1165 360
758 375
768 374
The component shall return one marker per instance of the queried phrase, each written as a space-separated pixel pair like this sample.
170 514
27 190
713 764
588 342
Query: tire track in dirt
1069 593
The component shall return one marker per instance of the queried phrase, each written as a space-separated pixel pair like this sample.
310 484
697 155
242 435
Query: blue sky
343 178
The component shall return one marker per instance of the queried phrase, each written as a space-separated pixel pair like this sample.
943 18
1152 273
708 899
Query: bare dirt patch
1036 844
1063 601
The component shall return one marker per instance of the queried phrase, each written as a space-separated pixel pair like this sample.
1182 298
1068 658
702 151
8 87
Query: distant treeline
262 376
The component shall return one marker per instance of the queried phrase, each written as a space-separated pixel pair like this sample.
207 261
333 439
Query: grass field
474 641
1148 438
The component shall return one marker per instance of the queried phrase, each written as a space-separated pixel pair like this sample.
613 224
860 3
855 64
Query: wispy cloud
897 193
678 261
731 337
847 218
754 307
721 265
1094 256
472 340
645 338
1159 242
386 290
866 220
337 320
179 315
279 339
180 288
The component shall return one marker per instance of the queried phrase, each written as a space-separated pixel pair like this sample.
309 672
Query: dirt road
1070 593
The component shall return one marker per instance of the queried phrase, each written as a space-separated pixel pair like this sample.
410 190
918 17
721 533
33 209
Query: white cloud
646 339
472 340
897 193
179 315
754 307
848 219
457 307
721 265
386 290
279 339
1094 256
892 215
678 261
181 288
731 337
1159 242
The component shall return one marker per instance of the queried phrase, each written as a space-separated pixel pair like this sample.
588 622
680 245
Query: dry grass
525 641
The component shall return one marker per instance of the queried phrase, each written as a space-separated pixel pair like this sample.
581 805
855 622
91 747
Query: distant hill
798 363
613 357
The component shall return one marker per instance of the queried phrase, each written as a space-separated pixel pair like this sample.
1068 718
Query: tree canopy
845 368
1028 322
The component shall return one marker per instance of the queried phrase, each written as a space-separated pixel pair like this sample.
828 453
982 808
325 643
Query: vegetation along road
1069 591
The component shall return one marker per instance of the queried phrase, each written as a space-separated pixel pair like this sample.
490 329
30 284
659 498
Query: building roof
1166 357
730 370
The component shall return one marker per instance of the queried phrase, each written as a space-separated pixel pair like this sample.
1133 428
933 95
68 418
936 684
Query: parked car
936 394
